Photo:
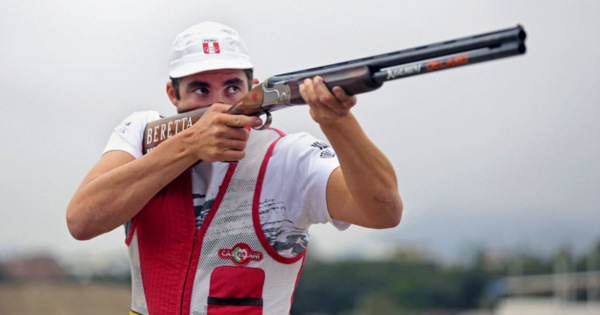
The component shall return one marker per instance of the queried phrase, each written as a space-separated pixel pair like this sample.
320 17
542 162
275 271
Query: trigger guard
267 122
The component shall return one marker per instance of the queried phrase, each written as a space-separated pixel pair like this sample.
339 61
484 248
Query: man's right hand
219 136
119 185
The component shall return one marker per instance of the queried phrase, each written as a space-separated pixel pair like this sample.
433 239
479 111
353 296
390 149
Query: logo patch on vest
241 254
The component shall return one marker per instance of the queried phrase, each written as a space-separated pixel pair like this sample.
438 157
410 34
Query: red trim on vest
165 231
281 133
255 212
219 199
297 280
197 249
131 231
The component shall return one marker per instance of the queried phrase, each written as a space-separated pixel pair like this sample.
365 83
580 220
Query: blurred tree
411 283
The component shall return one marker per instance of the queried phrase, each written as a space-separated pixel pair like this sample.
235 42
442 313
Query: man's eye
232 89
201 91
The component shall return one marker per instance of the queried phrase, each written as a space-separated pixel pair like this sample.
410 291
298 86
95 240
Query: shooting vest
225 267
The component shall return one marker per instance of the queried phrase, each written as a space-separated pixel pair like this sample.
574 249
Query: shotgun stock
355 77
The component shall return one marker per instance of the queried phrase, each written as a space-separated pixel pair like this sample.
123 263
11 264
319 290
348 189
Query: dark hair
175 82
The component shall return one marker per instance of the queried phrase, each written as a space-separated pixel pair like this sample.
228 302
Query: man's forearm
106 201
368 174
118 187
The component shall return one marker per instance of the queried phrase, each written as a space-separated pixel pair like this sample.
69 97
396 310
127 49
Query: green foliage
405 286
590 260
344 286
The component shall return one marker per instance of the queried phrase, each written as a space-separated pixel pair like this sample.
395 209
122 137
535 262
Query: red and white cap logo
207 46
241 254
211 46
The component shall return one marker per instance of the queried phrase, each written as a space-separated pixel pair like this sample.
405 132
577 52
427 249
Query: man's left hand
326 108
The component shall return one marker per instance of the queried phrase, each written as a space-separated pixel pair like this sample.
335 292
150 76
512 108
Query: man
207 236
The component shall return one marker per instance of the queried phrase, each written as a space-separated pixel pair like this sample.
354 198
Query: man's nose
219 99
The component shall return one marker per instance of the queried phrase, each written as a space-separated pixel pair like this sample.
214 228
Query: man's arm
364 190
119 185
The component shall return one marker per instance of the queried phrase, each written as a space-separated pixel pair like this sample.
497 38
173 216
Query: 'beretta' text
167 130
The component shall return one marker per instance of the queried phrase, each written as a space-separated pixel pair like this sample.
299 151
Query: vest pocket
236 290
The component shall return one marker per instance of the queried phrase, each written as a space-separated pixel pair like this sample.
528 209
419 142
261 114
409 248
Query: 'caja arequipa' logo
240 254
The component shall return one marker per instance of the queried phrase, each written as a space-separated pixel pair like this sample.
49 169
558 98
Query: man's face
199 90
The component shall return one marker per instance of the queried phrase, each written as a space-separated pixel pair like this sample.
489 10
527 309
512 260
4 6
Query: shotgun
355 77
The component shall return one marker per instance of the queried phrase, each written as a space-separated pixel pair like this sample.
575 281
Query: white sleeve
128 135
303 165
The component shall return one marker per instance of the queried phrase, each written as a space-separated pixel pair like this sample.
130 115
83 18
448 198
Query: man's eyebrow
197 84
234 81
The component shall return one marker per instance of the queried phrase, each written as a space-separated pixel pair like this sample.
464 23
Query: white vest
225 267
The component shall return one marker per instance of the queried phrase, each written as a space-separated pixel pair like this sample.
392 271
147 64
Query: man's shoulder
302 147
145 116
137 120
302 141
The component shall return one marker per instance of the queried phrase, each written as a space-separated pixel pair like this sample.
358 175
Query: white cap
207 46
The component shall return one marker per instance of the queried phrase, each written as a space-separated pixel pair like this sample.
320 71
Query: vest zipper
187 272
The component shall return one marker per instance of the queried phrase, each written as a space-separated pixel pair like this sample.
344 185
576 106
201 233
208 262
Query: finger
323 93
226 150
241 121
304 92
312 114
232 144
310 97
342 96
236 133
232 156
232 150
219 107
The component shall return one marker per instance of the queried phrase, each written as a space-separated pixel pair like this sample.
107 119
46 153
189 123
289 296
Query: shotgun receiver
355 77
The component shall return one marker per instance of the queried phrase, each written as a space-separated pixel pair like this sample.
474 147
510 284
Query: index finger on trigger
219 107
243 121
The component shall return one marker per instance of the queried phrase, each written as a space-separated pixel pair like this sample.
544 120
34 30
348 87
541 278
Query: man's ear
254 82
171 93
